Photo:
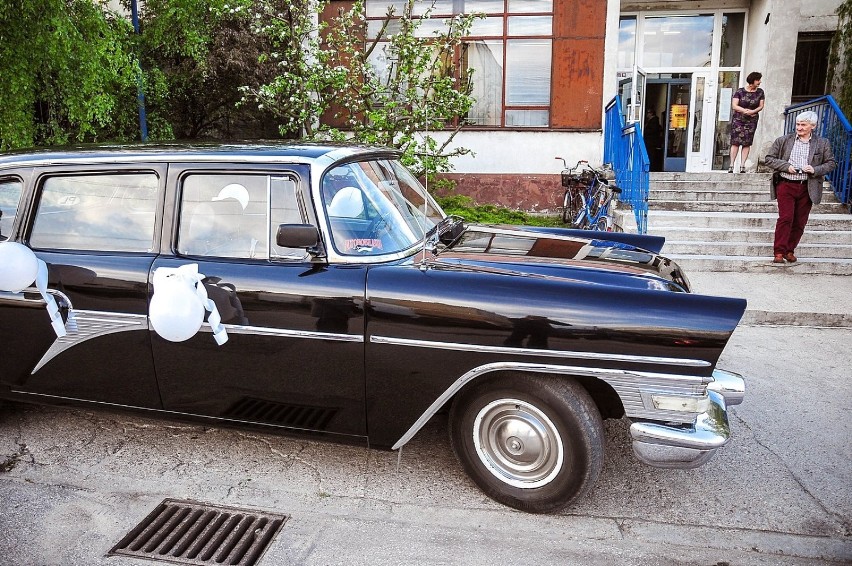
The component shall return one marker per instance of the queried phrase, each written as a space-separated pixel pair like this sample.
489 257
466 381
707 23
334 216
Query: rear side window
113 212
10 197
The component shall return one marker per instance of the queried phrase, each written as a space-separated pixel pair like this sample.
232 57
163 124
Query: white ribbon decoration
53 310
189 274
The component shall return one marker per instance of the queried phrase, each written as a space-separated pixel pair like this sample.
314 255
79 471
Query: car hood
562 254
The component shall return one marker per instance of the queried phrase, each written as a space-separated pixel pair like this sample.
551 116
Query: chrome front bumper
692 445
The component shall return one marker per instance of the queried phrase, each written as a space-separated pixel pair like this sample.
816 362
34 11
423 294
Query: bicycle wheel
570 206
597 199
582 219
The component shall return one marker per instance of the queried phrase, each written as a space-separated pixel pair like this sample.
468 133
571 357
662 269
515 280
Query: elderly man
803 159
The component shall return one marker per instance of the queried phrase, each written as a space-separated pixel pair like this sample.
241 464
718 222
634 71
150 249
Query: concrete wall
772 51
819 15
517 152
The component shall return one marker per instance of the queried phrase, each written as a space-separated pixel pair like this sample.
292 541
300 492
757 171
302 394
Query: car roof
185 152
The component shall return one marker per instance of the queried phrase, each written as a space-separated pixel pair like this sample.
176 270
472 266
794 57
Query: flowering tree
330 85
67 68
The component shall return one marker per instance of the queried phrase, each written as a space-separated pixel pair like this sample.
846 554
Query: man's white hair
808 116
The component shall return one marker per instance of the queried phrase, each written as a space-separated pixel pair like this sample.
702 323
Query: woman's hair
755 76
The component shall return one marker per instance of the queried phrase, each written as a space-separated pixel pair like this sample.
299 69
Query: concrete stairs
723 222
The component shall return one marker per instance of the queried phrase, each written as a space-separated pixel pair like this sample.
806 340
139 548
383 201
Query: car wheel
530 442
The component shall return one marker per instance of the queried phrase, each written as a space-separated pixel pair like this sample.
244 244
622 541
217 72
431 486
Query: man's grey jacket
820 157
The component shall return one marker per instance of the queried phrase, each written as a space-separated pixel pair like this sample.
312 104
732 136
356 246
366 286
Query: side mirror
297 236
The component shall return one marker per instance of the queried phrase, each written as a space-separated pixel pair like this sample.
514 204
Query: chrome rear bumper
690 446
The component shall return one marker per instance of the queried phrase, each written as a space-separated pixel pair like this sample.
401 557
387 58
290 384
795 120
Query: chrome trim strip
626 383
85 325
524 233
285 333
686 362
62 299
157 158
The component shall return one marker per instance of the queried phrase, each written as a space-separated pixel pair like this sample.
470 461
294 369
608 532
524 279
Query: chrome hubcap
518 443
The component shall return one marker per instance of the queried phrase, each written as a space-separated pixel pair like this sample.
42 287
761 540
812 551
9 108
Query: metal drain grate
185 532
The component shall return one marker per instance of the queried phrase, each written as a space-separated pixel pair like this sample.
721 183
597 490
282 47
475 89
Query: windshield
376 207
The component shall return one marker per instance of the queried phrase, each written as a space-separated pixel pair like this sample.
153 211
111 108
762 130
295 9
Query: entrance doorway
669 99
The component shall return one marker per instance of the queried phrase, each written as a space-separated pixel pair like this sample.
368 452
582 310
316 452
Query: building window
733 26
678 41
811 68
626 42
509 50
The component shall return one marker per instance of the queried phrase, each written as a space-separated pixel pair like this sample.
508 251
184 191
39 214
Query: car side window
233 216
109 212
10 196
224 215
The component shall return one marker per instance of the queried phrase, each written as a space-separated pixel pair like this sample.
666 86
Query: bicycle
587 197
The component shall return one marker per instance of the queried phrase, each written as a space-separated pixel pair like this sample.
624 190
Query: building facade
545 69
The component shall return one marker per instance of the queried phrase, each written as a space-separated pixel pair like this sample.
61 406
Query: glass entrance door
677 124
701 120
631 89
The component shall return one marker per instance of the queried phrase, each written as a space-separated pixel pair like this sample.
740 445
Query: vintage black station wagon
320 289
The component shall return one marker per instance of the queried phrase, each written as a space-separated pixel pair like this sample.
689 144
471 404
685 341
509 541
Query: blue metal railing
625 150
834 126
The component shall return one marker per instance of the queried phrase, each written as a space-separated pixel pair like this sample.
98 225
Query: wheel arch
606 399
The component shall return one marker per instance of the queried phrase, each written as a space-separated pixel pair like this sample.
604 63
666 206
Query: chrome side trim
85 325
686 362
627 384
285 333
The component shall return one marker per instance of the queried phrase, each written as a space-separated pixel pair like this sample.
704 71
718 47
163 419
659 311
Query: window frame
19 208
237 170
505 38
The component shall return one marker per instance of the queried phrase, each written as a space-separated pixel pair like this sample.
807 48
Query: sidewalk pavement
783 297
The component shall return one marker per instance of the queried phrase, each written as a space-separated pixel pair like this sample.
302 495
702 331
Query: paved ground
76 481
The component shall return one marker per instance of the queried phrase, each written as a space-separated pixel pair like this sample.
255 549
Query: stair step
734 206
714 195
741 220
710 177
725 185
765 249
761 264
756 235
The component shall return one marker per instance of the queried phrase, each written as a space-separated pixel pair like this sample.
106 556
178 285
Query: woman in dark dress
747 103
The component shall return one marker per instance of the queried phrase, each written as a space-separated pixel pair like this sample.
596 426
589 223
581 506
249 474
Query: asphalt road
74 482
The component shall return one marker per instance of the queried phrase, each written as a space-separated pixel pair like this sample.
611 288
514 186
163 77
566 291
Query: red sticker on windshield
353 243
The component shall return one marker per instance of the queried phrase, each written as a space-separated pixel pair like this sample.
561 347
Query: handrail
625 150
833 126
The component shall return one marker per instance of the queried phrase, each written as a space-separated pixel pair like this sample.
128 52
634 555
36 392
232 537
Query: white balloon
176 312
18 267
